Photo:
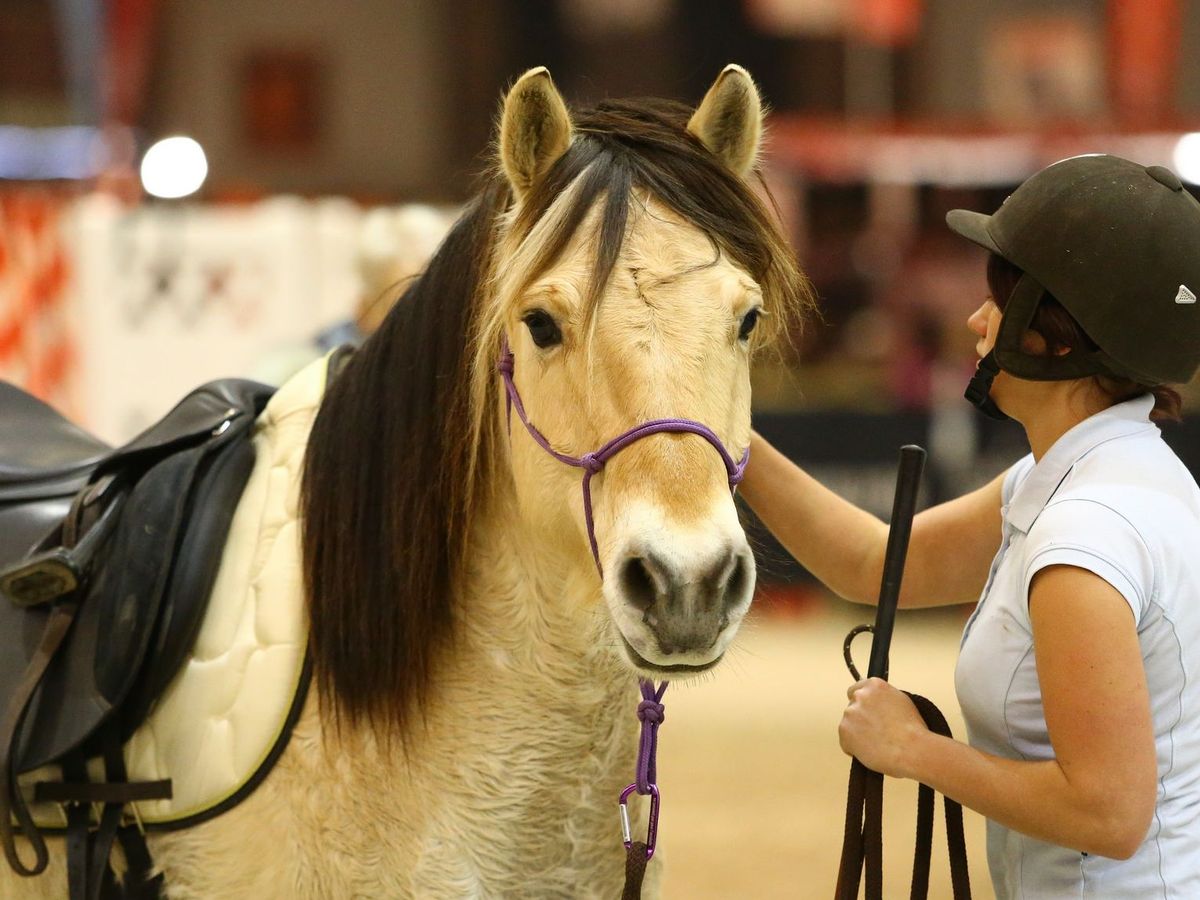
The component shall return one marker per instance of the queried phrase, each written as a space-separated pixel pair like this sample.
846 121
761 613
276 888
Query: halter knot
651 712
590 463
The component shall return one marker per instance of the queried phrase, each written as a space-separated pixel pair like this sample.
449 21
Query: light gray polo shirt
1110 497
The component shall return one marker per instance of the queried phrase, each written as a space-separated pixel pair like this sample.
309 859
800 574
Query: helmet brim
974 227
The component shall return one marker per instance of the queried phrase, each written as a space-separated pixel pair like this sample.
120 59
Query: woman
1079 671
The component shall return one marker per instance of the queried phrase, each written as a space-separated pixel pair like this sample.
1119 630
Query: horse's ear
729 120
535 129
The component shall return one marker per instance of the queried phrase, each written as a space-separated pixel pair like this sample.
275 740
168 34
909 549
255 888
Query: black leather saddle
107 559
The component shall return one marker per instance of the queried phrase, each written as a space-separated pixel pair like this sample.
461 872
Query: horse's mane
404 443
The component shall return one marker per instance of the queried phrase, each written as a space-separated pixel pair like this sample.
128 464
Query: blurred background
194 190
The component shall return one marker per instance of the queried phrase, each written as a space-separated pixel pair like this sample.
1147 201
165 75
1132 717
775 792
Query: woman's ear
1035 344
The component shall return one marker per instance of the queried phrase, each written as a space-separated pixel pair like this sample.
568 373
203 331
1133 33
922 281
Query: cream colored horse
474 721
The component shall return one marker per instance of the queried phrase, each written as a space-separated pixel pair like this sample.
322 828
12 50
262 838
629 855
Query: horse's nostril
637 583
735 587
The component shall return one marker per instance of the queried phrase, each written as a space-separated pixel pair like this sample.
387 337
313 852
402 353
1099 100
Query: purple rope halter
650 710
592 463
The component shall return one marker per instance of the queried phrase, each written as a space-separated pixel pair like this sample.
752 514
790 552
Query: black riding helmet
1118 245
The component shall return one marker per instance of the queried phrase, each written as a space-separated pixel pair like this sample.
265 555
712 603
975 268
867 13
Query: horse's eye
748 322
542 328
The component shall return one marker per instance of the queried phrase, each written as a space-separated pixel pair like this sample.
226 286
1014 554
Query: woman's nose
978 320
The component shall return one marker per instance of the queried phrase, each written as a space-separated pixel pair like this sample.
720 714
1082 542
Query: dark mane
402 443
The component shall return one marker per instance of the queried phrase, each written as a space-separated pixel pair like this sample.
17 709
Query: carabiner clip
651 828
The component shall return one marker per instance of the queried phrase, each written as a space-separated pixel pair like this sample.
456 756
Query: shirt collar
1035 491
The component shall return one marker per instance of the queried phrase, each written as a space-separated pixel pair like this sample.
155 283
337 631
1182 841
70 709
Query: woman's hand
880 726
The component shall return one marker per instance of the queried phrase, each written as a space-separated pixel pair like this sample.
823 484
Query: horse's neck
532 694
533 658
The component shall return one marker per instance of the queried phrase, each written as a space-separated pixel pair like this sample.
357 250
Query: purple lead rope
651 713
650 710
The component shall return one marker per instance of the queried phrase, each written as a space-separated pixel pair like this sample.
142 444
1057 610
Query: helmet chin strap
979 388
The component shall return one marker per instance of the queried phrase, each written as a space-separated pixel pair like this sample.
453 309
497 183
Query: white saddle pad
220 717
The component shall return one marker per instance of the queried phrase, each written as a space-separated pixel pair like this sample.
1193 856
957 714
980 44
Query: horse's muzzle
681 611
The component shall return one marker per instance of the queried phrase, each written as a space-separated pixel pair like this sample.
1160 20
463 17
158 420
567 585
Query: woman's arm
949 554
1098 793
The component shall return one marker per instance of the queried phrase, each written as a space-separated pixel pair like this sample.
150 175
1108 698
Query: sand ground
753 780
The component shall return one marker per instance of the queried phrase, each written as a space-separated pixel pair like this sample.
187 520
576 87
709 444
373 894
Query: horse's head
636 275
621 256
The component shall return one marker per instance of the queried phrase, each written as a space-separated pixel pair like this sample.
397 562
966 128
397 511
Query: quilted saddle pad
227 713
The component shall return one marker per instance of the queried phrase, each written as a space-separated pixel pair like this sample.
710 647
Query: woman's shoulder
1143 478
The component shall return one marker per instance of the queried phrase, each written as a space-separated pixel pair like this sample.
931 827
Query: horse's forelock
644 145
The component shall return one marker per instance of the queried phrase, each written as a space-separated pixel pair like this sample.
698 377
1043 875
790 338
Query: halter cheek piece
591 463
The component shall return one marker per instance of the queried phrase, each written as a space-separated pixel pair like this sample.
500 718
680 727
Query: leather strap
88 850
11 801
138 884
79 842
107 792
58 624
862 841
635 870
110 819
956 841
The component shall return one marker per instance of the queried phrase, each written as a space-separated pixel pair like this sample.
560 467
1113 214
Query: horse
476 625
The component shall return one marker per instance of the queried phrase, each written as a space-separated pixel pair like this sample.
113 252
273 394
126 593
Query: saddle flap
136 593
198 558
119 601
199 415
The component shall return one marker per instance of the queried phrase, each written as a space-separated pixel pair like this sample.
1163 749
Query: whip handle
908 484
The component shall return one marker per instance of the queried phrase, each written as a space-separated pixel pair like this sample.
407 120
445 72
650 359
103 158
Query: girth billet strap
88 845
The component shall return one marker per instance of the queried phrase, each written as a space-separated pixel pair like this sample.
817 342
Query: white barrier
165 297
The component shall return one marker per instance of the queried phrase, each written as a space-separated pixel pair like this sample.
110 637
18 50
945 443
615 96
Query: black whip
862 843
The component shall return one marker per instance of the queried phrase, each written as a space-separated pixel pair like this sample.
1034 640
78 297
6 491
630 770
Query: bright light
1187 157
174 167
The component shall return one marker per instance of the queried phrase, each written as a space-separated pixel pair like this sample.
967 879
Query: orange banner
889 23
36 349
1144 45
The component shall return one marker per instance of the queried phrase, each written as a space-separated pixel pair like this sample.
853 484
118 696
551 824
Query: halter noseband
591 463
